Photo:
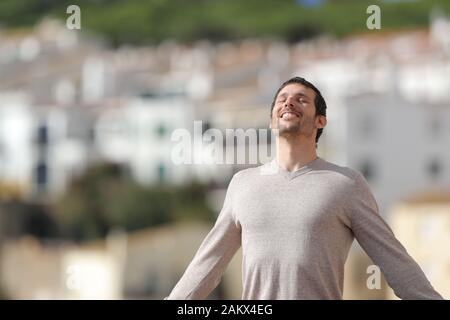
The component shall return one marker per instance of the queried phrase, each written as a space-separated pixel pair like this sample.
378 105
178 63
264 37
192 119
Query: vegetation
104 197
152 21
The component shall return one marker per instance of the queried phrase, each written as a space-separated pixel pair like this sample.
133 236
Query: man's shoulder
247 172
339 171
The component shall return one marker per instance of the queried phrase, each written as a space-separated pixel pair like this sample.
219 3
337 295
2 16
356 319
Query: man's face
294 111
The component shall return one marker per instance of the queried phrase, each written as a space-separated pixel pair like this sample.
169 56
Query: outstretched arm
205 270
374 235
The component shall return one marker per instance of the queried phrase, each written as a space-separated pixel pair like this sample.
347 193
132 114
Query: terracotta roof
432 197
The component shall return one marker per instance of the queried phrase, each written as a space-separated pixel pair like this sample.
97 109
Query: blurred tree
23 218
140 21
105 197
80 210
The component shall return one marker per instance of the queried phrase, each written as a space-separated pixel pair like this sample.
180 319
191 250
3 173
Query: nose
288 102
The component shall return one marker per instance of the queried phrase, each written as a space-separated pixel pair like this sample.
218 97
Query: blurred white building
16 132
142 134
39 150
95 103
399 146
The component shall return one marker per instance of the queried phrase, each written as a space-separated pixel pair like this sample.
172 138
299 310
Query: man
296 218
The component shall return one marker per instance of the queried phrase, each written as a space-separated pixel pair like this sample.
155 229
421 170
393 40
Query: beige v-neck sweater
296 229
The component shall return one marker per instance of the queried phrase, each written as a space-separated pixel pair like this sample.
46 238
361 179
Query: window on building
42 135
435 125
206 125
367 126
41 174
434 168
91 134
161 130
162 171
368 169
2 149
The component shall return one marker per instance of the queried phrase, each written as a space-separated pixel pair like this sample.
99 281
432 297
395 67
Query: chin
288 129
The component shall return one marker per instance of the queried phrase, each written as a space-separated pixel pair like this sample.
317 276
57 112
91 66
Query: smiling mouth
289 115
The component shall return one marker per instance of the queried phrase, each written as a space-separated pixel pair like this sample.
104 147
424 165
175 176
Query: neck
295 152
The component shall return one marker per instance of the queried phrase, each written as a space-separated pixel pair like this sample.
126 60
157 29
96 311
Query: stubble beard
303 127
288 130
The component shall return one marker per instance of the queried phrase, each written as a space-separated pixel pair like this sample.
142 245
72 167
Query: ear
321 122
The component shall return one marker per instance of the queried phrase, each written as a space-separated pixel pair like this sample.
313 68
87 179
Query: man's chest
308 204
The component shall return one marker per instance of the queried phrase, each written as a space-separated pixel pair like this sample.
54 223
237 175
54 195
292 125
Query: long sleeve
213 256
374 235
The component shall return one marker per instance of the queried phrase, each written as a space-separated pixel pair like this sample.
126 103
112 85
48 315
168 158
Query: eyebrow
296 94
